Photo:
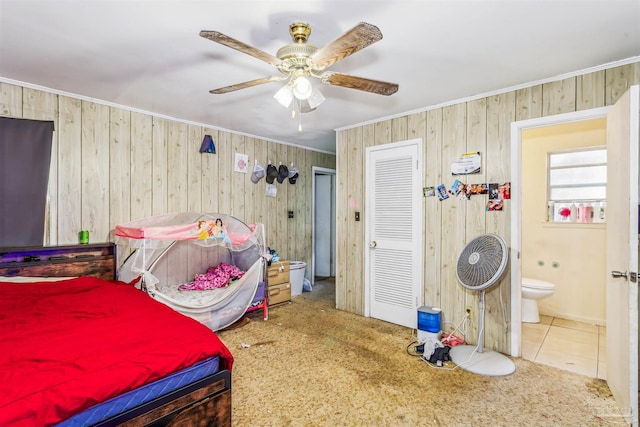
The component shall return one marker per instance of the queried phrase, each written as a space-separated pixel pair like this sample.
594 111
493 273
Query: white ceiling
148 55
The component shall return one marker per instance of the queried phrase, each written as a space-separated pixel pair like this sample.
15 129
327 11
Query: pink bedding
66 346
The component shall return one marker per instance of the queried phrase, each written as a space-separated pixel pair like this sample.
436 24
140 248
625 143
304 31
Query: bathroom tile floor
566 344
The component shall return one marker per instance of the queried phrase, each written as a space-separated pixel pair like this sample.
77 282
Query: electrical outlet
469 310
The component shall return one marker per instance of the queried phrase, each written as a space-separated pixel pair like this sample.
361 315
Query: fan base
489 363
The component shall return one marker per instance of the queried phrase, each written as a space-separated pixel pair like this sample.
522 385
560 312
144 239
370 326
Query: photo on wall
442 192
495 205
504 191
493 191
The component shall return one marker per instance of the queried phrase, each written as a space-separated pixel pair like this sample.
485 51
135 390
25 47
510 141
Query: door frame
367 232
316 170
516 208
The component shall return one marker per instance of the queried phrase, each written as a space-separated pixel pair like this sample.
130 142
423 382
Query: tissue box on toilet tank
429 322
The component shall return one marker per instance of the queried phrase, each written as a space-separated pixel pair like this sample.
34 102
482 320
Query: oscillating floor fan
480 265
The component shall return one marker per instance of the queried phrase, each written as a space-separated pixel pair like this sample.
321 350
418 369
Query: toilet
532 291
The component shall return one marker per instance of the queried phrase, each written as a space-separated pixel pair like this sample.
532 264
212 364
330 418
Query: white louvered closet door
394 232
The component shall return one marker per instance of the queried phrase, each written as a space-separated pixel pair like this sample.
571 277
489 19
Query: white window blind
577 185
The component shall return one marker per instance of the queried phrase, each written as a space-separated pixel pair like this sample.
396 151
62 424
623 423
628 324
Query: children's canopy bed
91 350
206 266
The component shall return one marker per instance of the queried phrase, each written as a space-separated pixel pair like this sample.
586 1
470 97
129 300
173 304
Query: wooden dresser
278 283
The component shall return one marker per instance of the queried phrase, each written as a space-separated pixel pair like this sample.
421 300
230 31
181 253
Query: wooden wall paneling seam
298 198
453 211
399 129
177 197
194 159
282 229
559 96
69 195
210 175
291 206
238 179
119 167
416 129
342 217
433 210
249 187
500 114
356 247
177 175
308 159
259 197
95 171
194 163
619 79
590 90
368 140
141 166
382 134
272 202
160 167
302 190
476 205
529 102
225 154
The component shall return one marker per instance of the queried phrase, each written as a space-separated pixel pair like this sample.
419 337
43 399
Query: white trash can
296 276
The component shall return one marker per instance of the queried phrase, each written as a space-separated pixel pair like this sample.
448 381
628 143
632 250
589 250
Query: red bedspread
66 346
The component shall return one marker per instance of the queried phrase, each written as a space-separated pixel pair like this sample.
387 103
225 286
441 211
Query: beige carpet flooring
313 365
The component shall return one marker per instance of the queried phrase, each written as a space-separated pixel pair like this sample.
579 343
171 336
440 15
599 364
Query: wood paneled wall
112 165
478 125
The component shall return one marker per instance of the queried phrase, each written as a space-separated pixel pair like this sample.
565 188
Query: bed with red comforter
67 346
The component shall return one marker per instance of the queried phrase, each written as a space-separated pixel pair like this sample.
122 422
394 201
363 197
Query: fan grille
482 262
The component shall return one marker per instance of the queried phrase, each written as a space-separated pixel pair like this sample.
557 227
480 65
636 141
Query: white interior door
622 252
394 232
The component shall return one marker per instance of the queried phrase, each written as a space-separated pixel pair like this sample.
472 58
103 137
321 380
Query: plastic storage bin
296 276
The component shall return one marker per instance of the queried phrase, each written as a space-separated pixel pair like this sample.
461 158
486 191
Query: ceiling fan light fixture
284 96
302 88
315 99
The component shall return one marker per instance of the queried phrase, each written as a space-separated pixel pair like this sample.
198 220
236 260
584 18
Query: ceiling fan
298 61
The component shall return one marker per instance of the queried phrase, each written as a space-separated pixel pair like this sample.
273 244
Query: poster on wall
241 163
468 163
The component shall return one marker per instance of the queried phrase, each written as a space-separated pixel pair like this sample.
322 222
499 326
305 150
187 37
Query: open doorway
541 247
323 264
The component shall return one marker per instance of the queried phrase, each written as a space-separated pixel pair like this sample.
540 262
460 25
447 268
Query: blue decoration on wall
208 145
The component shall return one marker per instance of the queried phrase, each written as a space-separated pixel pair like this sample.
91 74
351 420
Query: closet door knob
616 274
373 244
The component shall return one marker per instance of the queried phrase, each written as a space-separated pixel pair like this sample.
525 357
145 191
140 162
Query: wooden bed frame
206 402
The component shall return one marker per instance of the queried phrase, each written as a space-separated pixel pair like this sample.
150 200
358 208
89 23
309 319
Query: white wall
578 249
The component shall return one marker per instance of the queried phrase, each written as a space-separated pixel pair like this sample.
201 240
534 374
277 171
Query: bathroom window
577 185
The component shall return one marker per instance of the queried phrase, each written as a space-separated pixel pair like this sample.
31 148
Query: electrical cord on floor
462 365
462 323
415 344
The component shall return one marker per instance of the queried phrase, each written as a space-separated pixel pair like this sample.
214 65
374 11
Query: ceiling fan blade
245 85
360 83
354 40
242 47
